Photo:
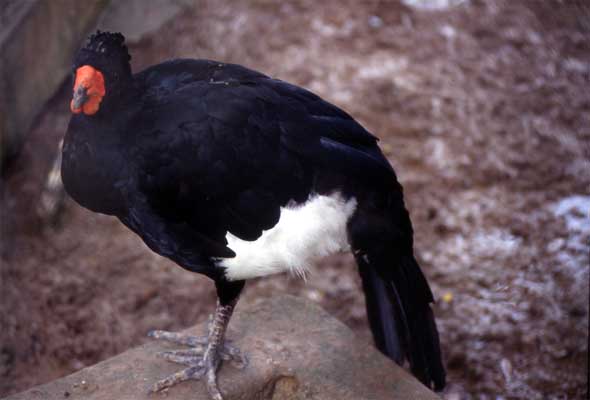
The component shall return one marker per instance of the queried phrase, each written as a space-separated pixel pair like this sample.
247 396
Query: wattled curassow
235 175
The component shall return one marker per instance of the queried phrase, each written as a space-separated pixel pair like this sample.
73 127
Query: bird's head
101 70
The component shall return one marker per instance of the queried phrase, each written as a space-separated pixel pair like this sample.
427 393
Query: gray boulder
296 351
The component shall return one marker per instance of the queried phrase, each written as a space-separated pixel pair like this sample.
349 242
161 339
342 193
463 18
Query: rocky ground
482 108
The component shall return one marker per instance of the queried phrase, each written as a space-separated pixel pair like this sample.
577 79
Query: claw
212 383
239 362
187 359
196 352
195 372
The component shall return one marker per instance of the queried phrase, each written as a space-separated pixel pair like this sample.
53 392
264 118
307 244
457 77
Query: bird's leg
216 341
205 355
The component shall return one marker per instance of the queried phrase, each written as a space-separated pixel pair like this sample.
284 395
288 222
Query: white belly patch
304 233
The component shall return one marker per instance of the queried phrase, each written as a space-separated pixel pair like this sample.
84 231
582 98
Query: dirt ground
484 110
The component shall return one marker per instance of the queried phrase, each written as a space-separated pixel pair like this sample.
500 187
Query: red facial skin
93 81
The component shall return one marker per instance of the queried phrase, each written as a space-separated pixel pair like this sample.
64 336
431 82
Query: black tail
402 324
397 294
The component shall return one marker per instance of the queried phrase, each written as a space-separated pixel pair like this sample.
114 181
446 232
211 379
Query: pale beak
80 97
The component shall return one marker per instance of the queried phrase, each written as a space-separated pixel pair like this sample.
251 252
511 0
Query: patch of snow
380 66
433 4
463 252
443 157
576 211
375 22
331 30
495 242
575 65
386 66
555 245
448 31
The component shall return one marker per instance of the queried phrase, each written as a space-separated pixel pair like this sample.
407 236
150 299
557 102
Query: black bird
235 175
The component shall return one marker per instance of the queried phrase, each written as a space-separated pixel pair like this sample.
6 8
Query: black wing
221 148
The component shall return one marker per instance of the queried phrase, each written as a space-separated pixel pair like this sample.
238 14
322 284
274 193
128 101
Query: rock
296 351
37 40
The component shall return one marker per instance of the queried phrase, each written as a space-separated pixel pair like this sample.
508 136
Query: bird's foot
198 346
202 359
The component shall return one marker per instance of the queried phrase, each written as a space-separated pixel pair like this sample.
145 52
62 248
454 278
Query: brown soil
483 109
